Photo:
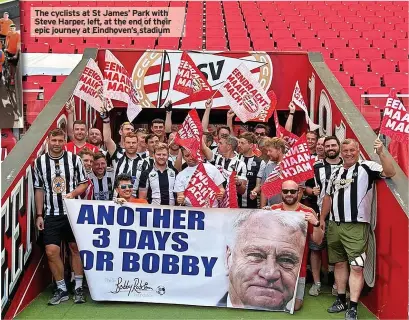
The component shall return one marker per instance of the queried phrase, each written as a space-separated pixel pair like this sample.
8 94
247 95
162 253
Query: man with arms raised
183 179
322 172
255 168
59 174
263 257
348 199
290 195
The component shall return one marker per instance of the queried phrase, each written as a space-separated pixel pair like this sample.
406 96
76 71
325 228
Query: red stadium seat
144 43
402 43
403 65
359 43
343 78
384 26
263 44
401 26
366 79
344 53
382 65
304 33
372 34
370 53
396 54
281 34
33 109
383 43
355 95
362 26
307 43
216 47
327 33
354 65
377 101
395 80
38 47
372 115
286 42
334 43
350 34
395 34
333 64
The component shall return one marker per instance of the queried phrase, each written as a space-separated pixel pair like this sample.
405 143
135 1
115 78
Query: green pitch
314 308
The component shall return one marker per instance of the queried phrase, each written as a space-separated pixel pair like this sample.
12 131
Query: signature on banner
136 285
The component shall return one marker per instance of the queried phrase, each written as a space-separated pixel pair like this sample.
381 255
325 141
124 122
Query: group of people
10 41
149 167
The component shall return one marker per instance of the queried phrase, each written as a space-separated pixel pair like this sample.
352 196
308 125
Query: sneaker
79 295
351 314
315 290
337 306
59 296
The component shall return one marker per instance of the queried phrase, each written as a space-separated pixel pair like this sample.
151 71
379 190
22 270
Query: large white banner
180 255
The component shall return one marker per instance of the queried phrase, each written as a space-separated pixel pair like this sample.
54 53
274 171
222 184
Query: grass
314 308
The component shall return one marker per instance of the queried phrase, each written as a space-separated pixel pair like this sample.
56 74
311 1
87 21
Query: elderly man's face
264 264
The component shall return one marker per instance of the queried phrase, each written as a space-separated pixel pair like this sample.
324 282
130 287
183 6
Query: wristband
317 224
168 107
291 113
39 215
106 120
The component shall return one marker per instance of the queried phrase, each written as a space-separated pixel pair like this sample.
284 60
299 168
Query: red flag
395 122
230 196
281 132
400 152
189 79
201 190
268 111
190 134
297 165
256 150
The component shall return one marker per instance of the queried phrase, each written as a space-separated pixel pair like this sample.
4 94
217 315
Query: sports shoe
315 290
337 306
79 295
59 296
351 314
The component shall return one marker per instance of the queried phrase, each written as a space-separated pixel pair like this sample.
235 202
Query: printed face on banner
264 260
144 253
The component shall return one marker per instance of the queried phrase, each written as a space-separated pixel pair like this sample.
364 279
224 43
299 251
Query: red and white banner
395 121
90 86
201 190
189 79
230 196
299 101
281 132
190 134
118 85
244 94
297 165
268 111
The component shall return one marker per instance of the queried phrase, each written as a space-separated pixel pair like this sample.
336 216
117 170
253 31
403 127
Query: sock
78 281
318 283
61 285
353 305
342 297
331 268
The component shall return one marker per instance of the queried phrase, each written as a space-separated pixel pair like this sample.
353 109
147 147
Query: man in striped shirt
102 178
348 199
59 174
254 168
157 182
228 161
322 172
87 157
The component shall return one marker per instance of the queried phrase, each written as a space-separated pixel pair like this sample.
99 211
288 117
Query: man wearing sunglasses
290 192
123 187
260 131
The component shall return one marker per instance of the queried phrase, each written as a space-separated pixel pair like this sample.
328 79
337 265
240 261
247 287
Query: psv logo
249 103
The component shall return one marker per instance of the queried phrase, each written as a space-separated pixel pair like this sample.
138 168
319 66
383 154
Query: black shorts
57 229
13 61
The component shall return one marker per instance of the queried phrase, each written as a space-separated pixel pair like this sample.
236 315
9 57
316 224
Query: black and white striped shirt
58 177
104 187
227 166
255 167
351 191
142 166
123 164
322 173
159 185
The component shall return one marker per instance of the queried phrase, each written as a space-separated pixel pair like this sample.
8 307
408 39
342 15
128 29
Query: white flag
299 101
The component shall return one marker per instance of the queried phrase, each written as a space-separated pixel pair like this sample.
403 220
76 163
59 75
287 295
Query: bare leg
54 261
316 265
341 276
76 259
356 282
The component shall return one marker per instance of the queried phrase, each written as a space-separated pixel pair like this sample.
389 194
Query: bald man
290 195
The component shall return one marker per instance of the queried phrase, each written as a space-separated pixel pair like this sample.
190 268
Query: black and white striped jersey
255 167
351 191
159 185
103 187
123 164
144 165
322 173
227 166
58 177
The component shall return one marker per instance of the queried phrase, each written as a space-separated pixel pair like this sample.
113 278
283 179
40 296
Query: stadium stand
365 44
